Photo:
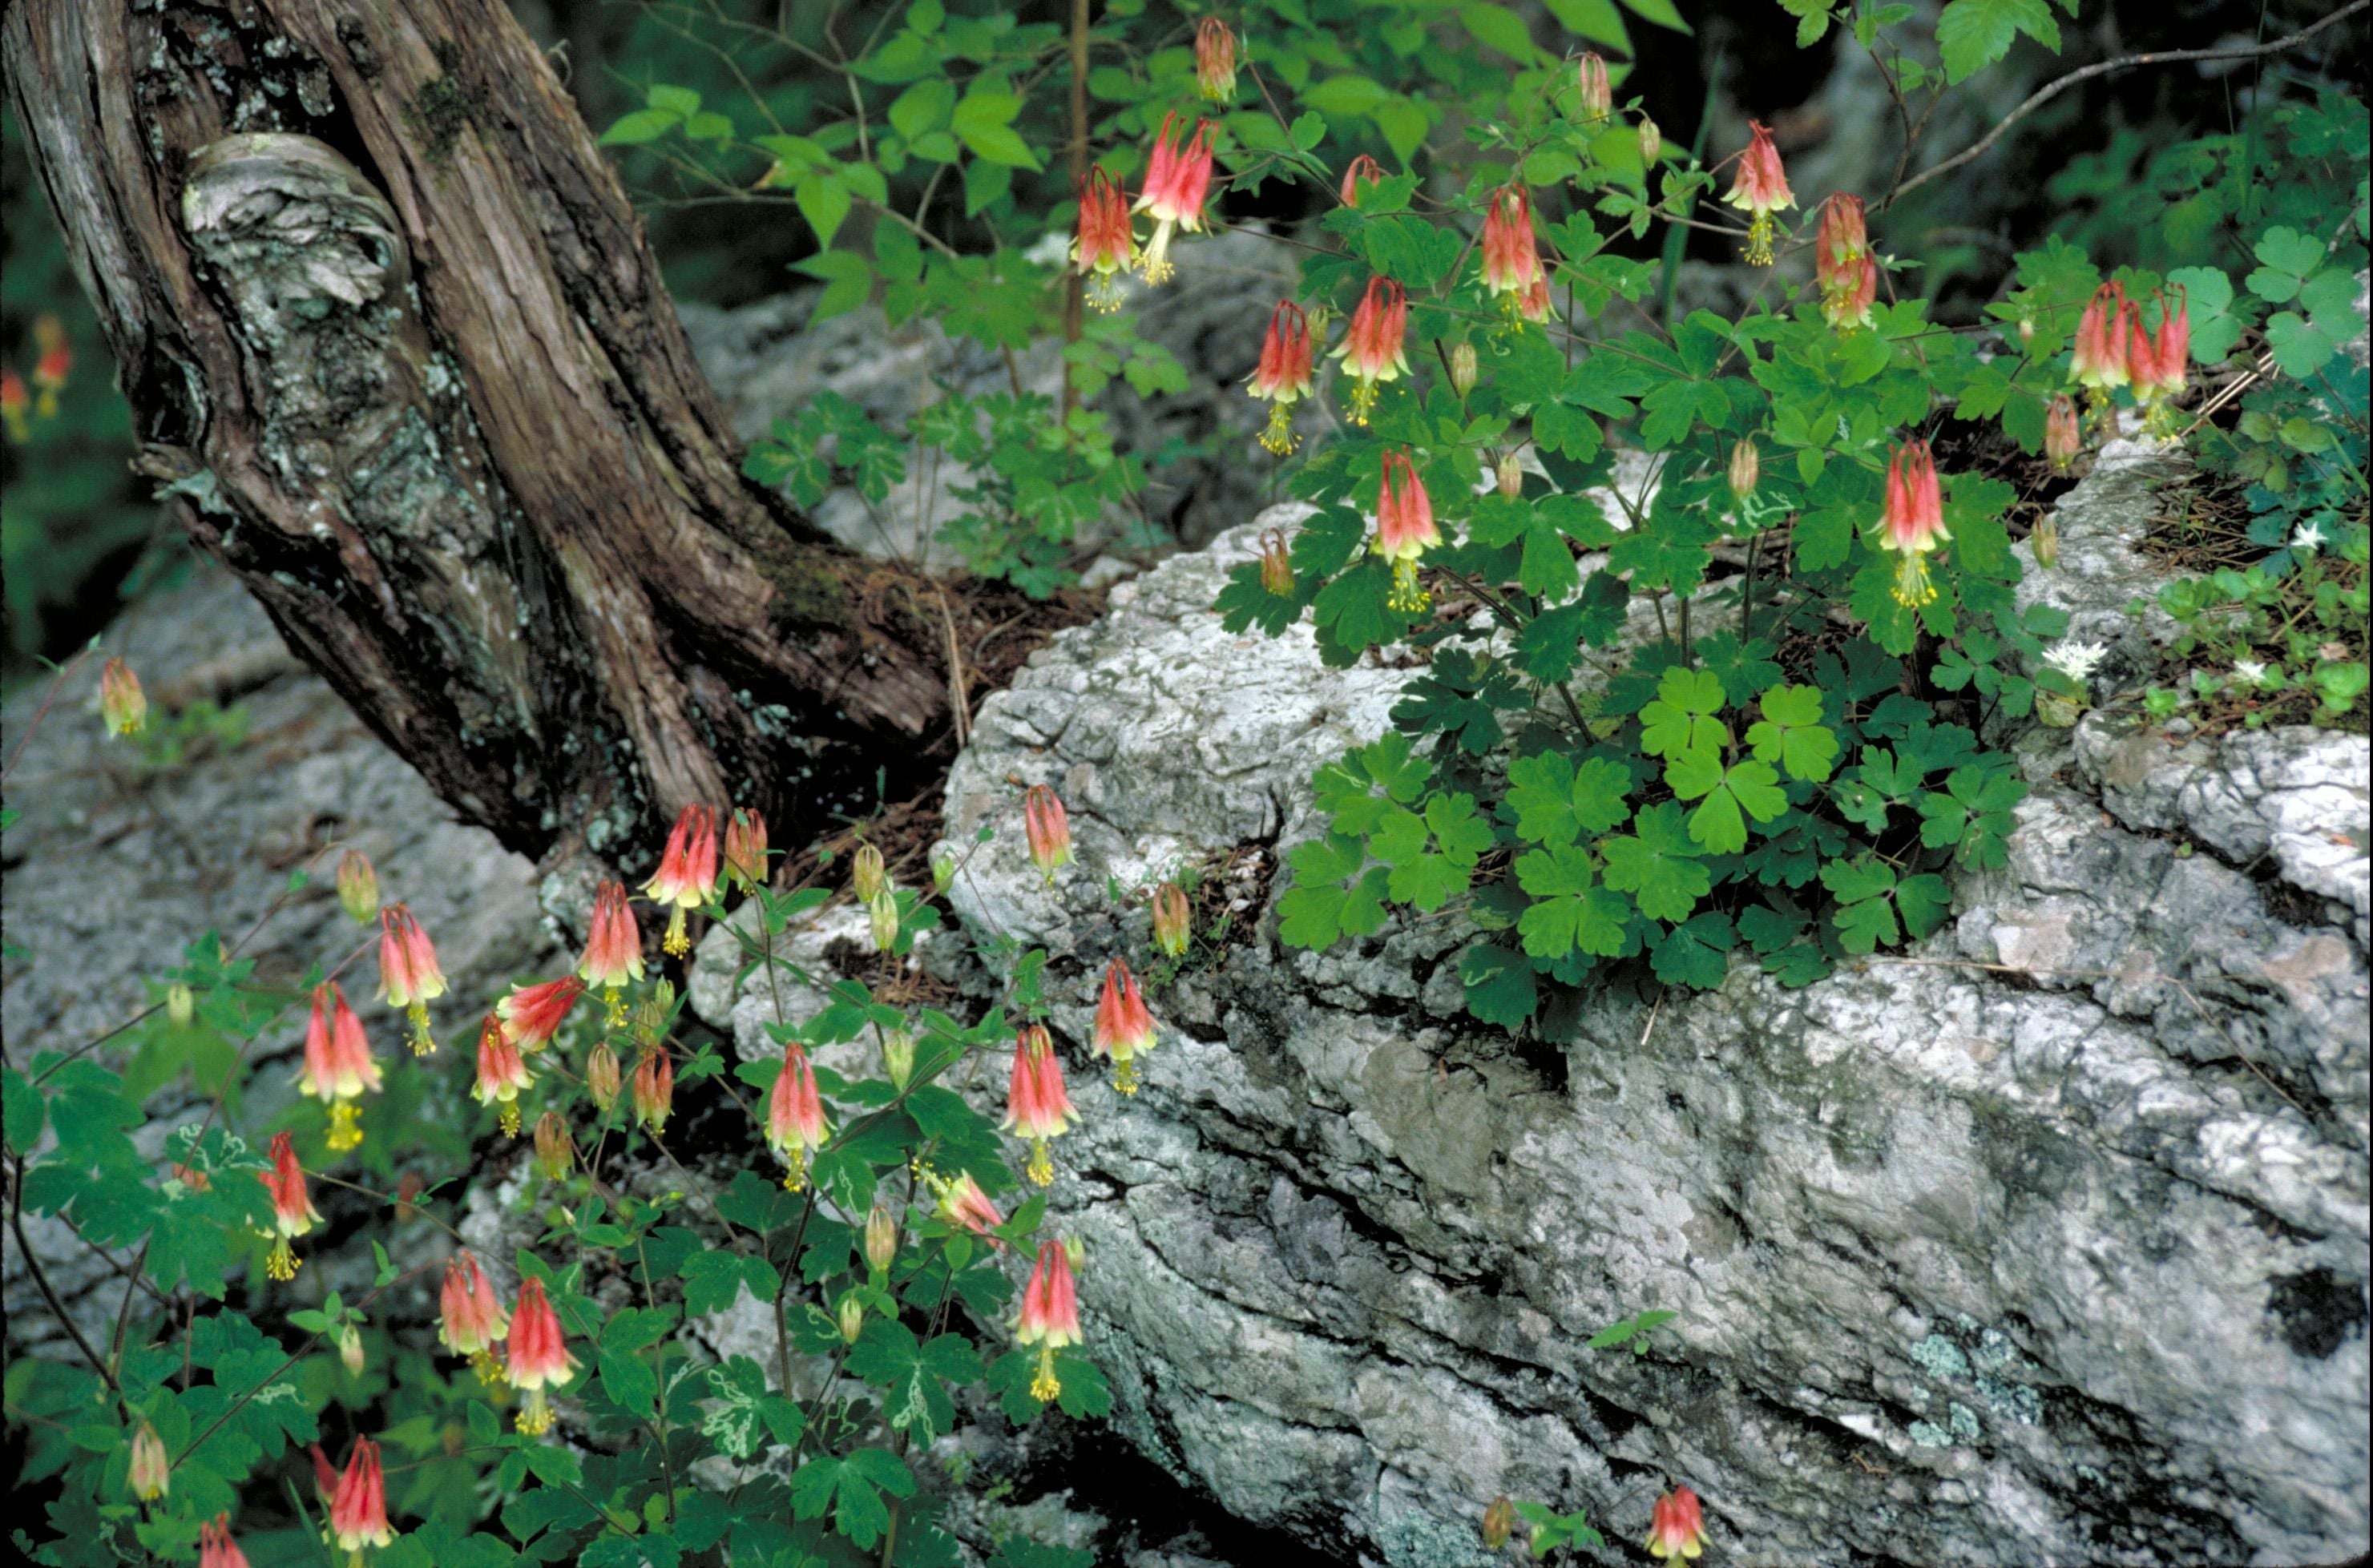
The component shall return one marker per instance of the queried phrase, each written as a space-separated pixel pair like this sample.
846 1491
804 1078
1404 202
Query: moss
812 587
443 108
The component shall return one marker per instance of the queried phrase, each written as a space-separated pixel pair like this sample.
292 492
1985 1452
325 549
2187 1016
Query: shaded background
79 537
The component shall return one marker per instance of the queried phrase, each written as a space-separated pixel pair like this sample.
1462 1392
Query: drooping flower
1050 1315
1177 178
1124 1028
882 919
1759 188
1048 830
292 1206
338 1065
867 874
687 875
1652 143
151 1474
1283 375
555 1151
1106 244
1170 920
325 1475
13 402
2063 437
123 707
1215 59
1276 565
795 1123
1363 170
2099 360
613 949
502 1073
537 1357
961 1203
654 1088
472 1320
1533 304
215 1547
602 1077
531 1015
745 848
1038 1107
408 975
1372 349
1511 261
1677 1527
2158 361
1912 521
357 888
1596 98
359 1511
1843 263
57 364
1405 530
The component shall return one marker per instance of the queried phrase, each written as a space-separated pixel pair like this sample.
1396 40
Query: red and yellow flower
215 1547
1047 831
1512 259
1283 375
292 1206
1050 1315
1215 59
531 1015
123 707
408 975
1373 346
358 1508
338 1065
537 1359
472 1320
1106 244
961 1203
1759 188
1912 520
687 875
1177 178
1363 170
502 1074
1405 530
1038 1107
1843 263
2103 341
795 1123
1677 1526
1124 1029
613 949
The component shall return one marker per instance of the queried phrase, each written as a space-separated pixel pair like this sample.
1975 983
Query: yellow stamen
1104 291
422 1045
343 1132
535 1416
489 1370
1758 241
675 941
1042 1162
1363 402
283 1263
1279 438
510 1119
616 997
1407 594
1044 1386
796 1179
1125 1074
1912 587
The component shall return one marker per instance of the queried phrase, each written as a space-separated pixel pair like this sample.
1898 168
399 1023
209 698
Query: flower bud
1215 59
1498 1523
898 1057
350 1349
881 1238
1075 1253
2025 331
179 1004
152 1474
882 914
407 1194
1745 467
2045 542
601 1075
1464 369
1596 99
555 1153
2063 435
867 876
654 1088
745 848
357 888
1170 920
122 703
943 870
1276 565
651 1014
852 1319
1511 476
1652 143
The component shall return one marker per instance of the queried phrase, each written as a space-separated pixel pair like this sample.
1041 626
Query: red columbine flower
654 1088
338 1065
1843 262
215 1547
961 1203
14 401
795 1121
2062 437
1677 1529
1405 530
2158 362
1048 830
2099 360
152 1474
1372 346
537 1356
745 848
1124 1028
1106 245
1364 170
292 1207
1170 922
1597 98
408 975
1760 189
1283 374
531 1015
502 1073
473 1320
1177 181
1512 260
687 875
123 707
1050 1315
1913 520
1215 59
1036 1106
613 949
325 1475
357 888
358 1510
50 372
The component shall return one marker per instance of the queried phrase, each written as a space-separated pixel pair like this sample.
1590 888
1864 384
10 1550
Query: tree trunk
400 355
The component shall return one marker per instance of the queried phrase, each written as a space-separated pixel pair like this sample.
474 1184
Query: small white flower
2076 660
2307 539
2248 672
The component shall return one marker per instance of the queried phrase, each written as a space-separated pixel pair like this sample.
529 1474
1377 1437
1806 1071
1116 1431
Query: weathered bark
400 355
